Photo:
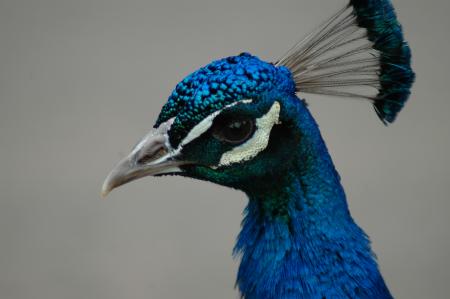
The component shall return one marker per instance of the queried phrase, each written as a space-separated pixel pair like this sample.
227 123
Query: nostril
152 156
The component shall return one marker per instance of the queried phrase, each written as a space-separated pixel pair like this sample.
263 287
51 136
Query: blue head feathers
218 84
359 52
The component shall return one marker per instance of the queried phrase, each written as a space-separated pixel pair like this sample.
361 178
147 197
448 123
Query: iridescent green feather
359 52
396 75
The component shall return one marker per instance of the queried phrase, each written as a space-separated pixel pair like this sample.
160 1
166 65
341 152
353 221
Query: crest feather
359 52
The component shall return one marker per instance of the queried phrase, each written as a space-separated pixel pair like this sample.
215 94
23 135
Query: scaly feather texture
298 239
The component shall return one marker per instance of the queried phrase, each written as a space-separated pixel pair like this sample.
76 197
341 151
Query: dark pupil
233 130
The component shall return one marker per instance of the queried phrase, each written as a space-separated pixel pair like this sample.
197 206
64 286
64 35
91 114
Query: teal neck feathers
298 239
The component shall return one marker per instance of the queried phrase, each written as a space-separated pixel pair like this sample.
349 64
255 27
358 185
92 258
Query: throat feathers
298 239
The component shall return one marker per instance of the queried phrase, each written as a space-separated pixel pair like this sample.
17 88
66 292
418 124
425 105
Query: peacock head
225 123
236 121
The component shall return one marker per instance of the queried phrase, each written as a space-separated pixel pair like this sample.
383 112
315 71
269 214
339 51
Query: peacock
239 122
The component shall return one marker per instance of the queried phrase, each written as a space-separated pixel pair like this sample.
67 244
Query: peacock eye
233 130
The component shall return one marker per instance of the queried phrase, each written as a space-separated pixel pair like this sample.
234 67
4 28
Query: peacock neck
298 239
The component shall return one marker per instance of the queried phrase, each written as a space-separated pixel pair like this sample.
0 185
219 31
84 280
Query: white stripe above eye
258 142
205 124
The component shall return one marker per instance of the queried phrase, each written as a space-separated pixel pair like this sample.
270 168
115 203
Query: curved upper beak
151 156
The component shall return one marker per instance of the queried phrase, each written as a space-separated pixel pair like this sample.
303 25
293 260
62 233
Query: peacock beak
153 155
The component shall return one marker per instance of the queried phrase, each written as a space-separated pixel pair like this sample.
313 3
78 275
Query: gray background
81 81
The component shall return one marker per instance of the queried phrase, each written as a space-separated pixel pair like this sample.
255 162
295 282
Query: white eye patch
205 124
257 143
